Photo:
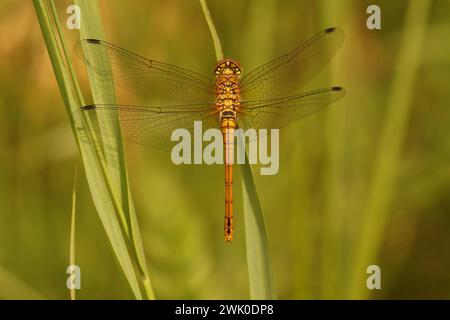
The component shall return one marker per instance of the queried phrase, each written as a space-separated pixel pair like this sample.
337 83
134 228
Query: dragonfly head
228 68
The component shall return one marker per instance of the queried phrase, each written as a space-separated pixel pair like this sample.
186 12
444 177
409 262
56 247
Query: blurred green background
314 208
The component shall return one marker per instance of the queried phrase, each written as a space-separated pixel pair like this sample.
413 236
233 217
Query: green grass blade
72 229
258 258
212 29
103 92
109 188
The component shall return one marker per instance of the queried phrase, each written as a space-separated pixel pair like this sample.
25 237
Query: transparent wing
162 82
287 73
145 125
277 112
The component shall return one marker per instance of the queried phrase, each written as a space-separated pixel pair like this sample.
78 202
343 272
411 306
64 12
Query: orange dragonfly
263 98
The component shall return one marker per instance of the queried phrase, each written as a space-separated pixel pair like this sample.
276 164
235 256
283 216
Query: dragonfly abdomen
227 104
228 126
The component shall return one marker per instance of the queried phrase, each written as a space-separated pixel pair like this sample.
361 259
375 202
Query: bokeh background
314 208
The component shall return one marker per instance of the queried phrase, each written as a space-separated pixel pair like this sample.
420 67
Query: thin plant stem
212 29
72 229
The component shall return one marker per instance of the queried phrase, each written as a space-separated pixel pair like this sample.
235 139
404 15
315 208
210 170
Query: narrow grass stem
72 228
212 29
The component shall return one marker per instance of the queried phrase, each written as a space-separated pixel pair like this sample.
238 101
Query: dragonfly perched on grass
266 97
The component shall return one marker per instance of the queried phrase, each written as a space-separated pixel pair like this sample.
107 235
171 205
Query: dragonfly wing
277 112
145 125
287 73
163 83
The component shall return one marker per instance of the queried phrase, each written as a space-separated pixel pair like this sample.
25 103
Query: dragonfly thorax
227 74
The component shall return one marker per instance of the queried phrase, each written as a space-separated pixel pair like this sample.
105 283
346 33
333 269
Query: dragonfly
266 98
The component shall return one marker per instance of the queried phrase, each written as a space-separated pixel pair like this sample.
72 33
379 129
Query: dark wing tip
340 92
88 107
94 41
329 30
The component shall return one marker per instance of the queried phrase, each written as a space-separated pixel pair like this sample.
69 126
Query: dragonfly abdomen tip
329 30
